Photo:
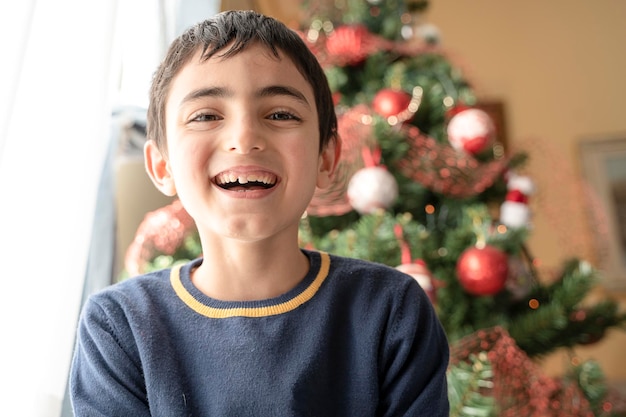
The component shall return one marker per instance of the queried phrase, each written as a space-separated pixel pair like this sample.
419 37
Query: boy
241 127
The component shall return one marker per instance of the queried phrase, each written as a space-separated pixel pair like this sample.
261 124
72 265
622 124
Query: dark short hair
241 28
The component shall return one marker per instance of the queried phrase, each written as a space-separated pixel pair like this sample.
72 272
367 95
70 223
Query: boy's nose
245 137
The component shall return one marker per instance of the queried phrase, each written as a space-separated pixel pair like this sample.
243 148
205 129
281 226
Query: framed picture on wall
604 169
496 110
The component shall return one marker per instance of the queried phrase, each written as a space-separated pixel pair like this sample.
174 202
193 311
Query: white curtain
66 65
55 99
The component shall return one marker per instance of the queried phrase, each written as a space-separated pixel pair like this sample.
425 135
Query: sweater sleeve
106 377
415 358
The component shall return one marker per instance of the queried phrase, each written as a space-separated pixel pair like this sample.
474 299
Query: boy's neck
250 271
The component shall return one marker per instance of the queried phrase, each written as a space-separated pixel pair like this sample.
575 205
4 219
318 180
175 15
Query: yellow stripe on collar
220 313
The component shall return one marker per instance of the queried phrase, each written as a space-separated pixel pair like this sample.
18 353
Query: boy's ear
328 162
158 169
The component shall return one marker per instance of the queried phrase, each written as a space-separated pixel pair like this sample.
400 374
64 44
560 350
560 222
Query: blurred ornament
406 32
355 129
514 211
429 33
372 188
312 39
351 44
444 170
415 268
391 102
520 279
482 271
471 130
522 183
161 231
419 271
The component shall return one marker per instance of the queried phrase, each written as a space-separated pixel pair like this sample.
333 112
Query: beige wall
135 197
560 68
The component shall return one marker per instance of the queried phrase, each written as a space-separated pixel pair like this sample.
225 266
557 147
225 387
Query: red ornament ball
471 131
350 44
482 271
391 102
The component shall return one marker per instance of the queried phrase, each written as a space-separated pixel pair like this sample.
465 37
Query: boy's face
243 145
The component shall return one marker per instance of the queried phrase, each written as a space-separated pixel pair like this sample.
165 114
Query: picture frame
603 164
496 110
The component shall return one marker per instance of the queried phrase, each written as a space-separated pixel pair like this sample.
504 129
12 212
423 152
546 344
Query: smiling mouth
246 181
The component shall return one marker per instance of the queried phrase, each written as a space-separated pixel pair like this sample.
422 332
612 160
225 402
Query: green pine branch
469 388
561 318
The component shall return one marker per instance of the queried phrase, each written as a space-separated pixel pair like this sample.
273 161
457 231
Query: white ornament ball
514 211
471 131
429 33
514 214
523 183
371 189
420 273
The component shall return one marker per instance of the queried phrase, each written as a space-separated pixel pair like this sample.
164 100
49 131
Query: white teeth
231 177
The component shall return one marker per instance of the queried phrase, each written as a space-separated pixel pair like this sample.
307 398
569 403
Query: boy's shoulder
382 288
366 267
149 288
362 272
139 282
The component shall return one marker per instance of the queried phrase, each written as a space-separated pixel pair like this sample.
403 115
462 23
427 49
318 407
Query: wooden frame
604 168
495 109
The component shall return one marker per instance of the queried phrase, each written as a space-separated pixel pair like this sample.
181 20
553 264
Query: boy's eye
283 115
205 117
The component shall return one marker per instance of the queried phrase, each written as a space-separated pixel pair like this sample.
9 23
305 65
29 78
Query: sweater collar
180 278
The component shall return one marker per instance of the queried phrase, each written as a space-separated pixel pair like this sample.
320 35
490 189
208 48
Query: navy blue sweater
352 339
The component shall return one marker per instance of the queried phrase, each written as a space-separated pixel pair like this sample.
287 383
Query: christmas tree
426 185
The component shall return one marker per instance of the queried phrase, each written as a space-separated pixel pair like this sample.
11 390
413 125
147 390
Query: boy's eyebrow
282 90
269 91
207 92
